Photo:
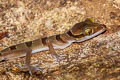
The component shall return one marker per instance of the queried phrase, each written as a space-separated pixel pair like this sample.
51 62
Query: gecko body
78 33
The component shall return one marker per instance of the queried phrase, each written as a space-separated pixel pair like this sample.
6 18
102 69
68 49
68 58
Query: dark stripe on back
44 40
59 38
12 47
75 36
29 44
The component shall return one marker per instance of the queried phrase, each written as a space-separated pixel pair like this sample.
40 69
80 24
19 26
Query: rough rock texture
95 59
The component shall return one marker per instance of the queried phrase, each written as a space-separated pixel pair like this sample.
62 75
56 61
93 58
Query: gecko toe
31 69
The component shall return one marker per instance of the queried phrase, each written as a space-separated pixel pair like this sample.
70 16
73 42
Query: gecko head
86 30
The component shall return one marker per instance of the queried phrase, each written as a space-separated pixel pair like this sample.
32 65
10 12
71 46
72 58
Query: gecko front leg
52 50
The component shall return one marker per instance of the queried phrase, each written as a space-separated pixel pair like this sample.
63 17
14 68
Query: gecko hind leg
31 69
28 60
28 66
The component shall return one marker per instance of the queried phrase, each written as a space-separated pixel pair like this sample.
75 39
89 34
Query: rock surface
95 59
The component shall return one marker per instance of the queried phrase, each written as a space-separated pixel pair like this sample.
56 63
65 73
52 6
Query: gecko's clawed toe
34 69
60 58
30 69
56 57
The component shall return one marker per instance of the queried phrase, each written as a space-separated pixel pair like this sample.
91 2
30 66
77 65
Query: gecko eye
88 31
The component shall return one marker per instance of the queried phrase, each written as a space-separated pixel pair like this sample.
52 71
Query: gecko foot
59 58
56 57
30 69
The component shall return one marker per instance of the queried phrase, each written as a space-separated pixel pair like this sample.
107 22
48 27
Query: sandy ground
95 59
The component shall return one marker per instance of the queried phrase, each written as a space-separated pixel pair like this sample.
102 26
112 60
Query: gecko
80 32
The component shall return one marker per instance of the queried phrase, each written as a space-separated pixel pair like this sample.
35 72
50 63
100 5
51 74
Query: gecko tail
11 55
